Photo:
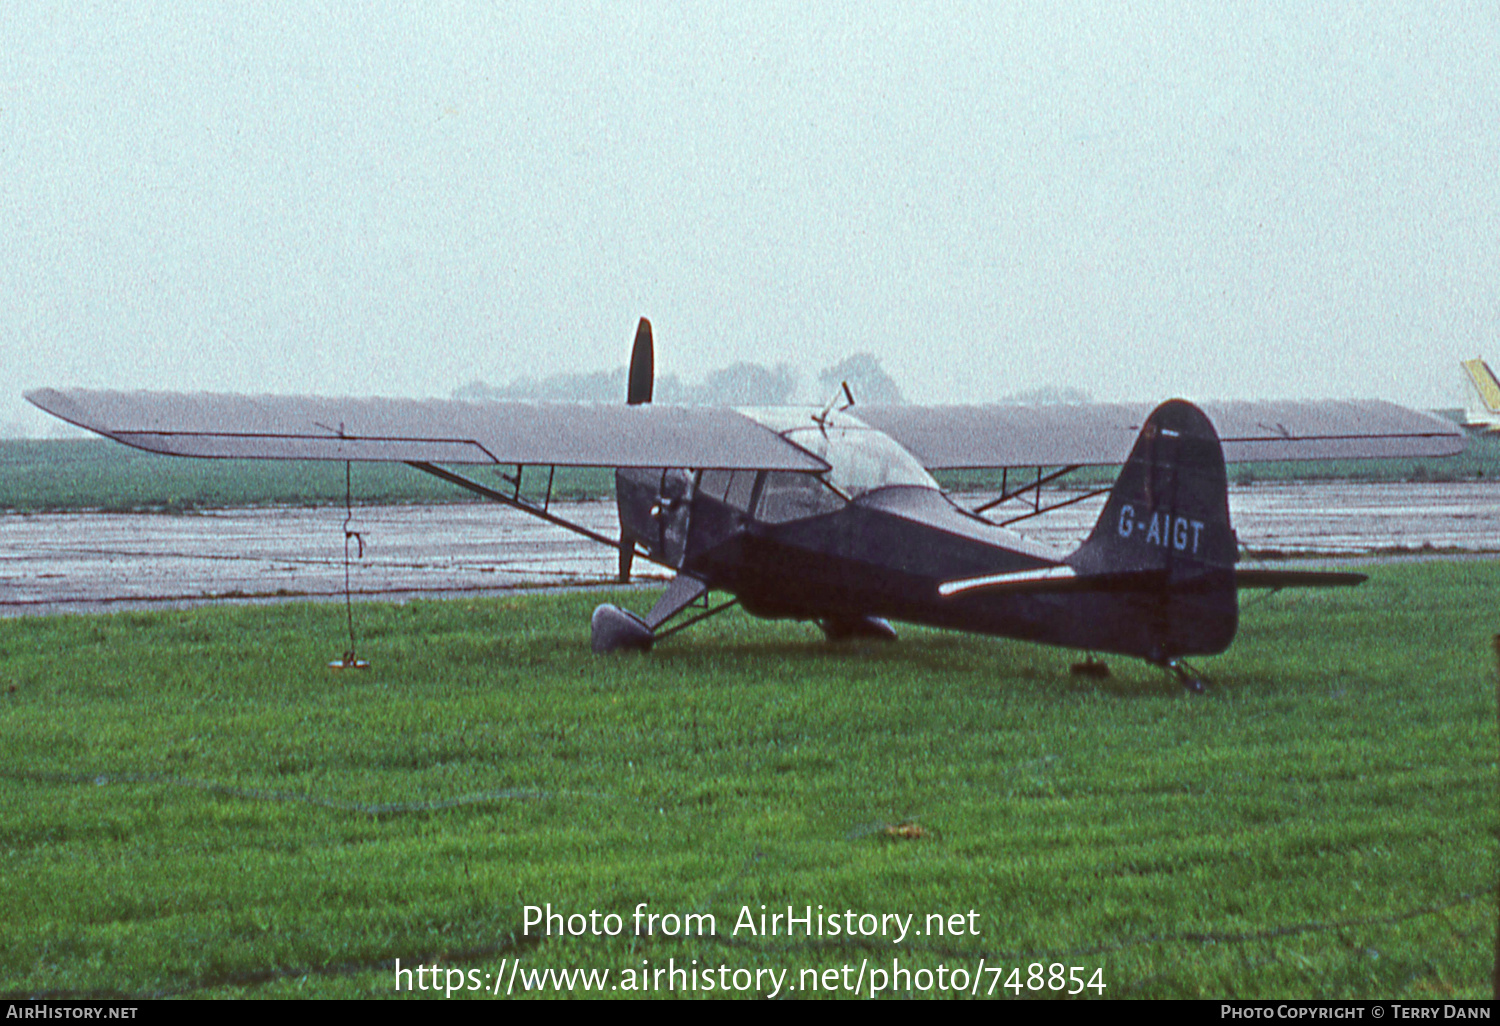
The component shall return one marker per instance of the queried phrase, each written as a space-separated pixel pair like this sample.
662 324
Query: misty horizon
1269 202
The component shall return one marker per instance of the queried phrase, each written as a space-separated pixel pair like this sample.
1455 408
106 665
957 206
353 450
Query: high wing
965 437
428 430
592 434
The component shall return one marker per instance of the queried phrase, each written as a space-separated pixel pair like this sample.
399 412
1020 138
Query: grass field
194 804
66 474
60 474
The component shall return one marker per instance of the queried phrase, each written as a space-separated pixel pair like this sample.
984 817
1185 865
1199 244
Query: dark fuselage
885 554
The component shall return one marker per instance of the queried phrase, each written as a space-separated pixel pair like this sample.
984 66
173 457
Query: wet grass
193 803
67 474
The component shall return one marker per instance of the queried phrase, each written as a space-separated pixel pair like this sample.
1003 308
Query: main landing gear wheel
1092 666
613 629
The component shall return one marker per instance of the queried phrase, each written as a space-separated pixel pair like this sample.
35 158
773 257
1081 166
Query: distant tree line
739 384
1048 395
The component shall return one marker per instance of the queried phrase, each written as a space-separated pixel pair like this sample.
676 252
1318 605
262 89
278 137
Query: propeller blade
642 366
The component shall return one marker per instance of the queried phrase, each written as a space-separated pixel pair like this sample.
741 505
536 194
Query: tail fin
1481 396
1169 508
1163 545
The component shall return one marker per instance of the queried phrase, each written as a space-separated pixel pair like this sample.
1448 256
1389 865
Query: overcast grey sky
1208 200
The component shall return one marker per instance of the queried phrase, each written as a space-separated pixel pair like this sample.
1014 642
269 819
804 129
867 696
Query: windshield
860 458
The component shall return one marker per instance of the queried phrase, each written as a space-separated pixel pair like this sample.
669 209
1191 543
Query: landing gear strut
615 630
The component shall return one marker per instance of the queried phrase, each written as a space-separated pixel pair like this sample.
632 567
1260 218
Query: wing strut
515 501
1006 494
1034 490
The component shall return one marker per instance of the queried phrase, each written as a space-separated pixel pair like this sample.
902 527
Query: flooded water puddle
1333 519
100 561
89 561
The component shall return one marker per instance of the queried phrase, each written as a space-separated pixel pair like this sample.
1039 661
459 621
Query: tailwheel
1190 678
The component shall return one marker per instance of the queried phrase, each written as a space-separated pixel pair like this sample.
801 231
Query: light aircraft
1481 397
832 515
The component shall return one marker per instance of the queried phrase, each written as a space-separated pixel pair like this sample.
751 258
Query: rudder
1163 546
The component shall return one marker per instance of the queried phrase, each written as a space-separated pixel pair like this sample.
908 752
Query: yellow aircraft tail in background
1481 396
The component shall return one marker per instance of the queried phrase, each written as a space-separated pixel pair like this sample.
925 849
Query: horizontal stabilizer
1060 579
1297 579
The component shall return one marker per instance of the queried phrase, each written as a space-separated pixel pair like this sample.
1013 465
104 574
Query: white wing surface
427 430
602 435
961 437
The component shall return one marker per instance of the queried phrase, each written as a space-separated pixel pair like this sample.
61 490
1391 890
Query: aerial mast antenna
350 661
821 419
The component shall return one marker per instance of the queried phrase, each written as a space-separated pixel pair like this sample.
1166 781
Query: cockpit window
787 495
861 459
732 486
